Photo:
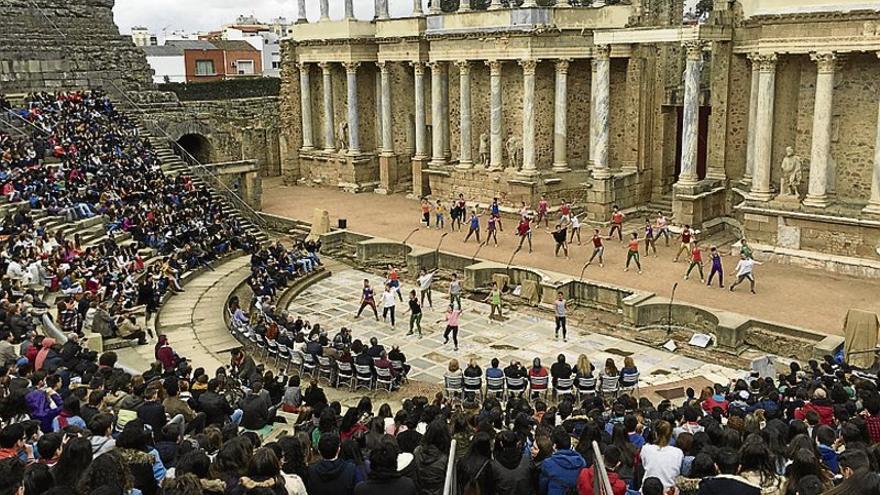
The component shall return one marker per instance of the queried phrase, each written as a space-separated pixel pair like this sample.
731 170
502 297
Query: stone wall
84 51
240 129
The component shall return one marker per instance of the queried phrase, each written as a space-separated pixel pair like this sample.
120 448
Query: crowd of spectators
72 421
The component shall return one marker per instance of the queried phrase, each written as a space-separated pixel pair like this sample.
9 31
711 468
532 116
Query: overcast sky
206 15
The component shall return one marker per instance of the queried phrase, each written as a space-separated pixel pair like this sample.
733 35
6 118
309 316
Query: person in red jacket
585 479
821 405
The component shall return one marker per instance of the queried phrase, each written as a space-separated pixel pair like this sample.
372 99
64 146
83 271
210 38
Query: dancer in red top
598 248
632 253
685 247
543 212
524 231
616 224
696 261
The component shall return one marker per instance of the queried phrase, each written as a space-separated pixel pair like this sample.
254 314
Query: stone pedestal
419 179
694 204
387 173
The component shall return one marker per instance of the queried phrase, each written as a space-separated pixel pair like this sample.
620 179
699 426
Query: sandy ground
802 297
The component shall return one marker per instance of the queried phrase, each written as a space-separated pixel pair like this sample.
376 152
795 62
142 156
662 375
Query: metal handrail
449 484
199 168
601 483
9 113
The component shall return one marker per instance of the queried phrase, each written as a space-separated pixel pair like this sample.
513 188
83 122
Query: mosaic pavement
333 303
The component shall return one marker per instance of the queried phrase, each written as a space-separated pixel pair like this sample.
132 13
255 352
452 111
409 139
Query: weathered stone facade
63 44
240 129
632 130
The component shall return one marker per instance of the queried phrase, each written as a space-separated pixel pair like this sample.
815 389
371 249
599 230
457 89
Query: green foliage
227 89
703 7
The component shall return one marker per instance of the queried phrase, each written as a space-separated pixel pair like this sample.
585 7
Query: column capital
494 67
325 66
529 66
562 65
753 58
303 67
418 67
766 62
464 66
435 65
351 67
601 52
383 66
825 61
694 49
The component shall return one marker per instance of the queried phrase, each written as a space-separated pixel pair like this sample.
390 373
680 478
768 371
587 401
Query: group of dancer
567 228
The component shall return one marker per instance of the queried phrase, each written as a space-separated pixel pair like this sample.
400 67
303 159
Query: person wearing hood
165 354
384 477
511 465
559 472
69 415
431 457
331 475
46 353
263 471
821 405
612 462
102 440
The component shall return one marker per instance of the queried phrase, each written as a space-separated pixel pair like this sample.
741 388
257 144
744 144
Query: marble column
419 89
528 4
560 118
465 159
434 7
873 206
495 145
301 12
383 10
820 150
464 6
599 125
691 113
439 158
417 8
444 110
305 100
387 136
325 10
496 5
354 145
528 125
349 9
329 126
764 128
753 116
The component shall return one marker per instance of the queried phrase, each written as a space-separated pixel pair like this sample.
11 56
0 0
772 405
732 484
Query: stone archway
198 146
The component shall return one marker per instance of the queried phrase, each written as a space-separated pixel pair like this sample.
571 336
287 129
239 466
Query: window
245 67
205 68
276 65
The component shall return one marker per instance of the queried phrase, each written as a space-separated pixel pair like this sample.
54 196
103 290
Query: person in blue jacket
560 471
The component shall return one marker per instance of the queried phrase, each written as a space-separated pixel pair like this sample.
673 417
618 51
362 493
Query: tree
703 7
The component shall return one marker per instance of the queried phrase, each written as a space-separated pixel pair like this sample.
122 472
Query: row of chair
538 386
304 364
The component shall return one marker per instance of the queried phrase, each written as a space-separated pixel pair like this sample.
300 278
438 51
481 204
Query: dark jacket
215 407
515 480
256 412
386 484
141 466
727 485
152 413
559 472
430 470
331 478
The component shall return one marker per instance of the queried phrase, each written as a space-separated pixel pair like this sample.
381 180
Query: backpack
472 487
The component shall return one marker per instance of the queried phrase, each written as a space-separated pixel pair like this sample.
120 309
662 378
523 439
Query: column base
817 201
762 196
352 152
561 167
495 6
601 173
329 150
495 167
686 182
387 173
307 148
872 209
419 180
435 163
529 172
465 164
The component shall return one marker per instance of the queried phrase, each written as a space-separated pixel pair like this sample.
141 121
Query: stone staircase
174 165
661 203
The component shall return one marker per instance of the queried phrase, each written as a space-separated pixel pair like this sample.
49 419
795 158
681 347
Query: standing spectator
384 477
660 460
430 459
331 475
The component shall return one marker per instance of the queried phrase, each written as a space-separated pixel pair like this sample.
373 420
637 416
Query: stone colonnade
382 11
760 132
439 101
